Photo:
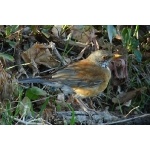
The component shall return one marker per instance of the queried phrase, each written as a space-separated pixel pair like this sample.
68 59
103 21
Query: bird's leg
84 107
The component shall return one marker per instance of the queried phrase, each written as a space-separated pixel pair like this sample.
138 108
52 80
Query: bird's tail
33 80
66 89
41 81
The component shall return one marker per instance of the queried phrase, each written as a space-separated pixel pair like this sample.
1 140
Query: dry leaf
104 44
125 97
57 31
61 97
6 84
40 54
25 107
82 33
119 67
128 103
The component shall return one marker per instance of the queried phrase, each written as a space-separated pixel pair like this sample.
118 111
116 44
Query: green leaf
11 29
73 118
124 32
138 55
1 34
7 57
8 31
34 28
129 32
25 107
11 43
14 28
35 92
126 36
134 43
48 27
58 107
46 33
136 30
111 32
44 106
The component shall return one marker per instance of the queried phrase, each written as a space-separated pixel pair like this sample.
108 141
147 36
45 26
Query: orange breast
91 73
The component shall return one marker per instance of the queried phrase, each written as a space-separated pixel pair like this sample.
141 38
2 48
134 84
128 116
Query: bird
86 78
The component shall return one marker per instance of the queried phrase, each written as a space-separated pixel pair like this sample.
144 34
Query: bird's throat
104 64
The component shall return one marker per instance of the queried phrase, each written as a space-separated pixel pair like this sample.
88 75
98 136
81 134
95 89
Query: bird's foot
89 111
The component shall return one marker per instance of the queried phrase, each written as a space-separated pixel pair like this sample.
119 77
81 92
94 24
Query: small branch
127 120
57 53
82 117
38 121
131 111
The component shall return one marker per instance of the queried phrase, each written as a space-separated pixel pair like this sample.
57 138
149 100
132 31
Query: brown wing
82 74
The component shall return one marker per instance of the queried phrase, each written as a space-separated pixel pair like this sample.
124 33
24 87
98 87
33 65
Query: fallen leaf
119 66
61 97
7 86
82 33
35 92
125 97
57 31
25 107
128 103
40 54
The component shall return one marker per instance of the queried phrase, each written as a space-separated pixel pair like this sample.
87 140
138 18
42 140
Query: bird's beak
116 55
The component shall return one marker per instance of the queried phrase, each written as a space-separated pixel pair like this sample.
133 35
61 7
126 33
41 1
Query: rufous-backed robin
86 78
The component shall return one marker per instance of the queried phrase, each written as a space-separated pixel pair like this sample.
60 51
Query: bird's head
102 57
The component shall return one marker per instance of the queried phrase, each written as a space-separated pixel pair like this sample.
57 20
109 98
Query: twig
49 70
2 46
21 70
57 53
20 121
131 111
82 52
82 117
125 120
32 122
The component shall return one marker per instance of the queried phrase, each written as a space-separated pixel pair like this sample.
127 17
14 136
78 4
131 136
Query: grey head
101 57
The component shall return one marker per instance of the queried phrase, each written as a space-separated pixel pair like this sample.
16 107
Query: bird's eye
105 57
